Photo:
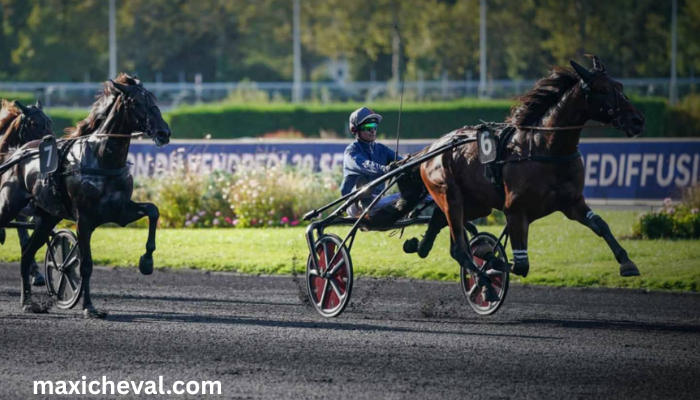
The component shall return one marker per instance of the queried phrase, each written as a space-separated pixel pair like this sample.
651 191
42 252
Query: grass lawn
562 253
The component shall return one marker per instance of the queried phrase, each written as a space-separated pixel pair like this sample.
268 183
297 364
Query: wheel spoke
336 289
52 257
323 295
73 285
325 255
337 267
61 287
70 254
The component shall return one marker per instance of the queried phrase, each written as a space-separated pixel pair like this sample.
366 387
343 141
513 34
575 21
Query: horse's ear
39 105
22 108
118 86
597 64
582 72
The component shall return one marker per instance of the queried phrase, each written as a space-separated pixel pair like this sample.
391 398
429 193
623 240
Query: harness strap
105 172
544 159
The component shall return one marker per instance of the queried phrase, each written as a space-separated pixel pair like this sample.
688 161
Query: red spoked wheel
499 280
330 285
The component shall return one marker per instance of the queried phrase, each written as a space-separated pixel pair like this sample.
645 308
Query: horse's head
22 124
141 109
606 101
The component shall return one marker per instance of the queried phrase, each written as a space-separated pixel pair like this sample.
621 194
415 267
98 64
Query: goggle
371 126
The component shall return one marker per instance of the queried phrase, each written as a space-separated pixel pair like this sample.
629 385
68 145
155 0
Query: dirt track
398 339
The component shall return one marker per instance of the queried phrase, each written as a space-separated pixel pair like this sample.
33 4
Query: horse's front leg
85 230
518 228
579 211
37 276
44 225
134 212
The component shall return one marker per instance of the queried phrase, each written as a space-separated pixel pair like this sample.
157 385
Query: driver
366 160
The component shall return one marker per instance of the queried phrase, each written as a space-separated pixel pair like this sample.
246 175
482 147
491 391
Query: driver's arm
356 162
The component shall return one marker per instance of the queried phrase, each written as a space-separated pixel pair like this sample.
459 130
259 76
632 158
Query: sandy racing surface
397 339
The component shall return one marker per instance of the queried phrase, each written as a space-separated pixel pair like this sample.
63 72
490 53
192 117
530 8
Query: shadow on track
209 319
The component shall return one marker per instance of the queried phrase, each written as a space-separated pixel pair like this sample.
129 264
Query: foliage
418 120
684 119
680 221
228 40
25 98
257 198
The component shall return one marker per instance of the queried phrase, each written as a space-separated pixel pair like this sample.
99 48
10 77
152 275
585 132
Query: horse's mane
546 94
9 124
100 109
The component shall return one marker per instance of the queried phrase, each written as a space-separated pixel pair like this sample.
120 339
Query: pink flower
670 210
284 220
228 220
234 222
694 211
253 221
215 222
295 223
195 219
188 223
202 213
217 214
668 202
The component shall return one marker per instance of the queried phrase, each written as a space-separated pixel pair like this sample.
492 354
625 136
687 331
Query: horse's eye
603 91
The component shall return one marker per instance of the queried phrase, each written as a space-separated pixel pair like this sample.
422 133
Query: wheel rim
62 267
499 280
330 295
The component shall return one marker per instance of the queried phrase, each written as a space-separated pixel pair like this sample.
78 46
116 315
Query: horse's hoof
424 249
490 294
92 313
410 246
521 269
628 268
2 236
38 279
33 308
146 265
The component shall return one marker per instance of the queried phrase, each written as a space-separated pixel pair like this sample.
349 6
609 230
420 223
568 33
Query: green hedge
426 120
417 121
25 98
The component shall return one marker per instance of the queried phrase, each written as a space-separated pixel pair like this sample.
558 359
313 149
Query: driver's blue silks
364 159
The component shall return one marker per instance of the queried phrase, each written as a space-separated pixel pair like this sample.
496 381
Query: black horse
92 185
18 126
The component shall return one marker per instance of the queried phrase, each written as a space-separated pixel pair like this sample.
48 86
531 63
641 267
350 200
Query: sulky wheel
479 244
330 286
62 268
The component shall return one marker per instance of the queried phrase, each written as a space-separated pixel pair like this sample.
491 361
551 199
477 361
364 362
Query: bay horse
18 126
542 170
92 185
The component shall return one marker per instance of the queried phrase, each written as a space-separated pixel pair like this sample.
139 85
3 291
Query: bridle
130 107
613 112
26 119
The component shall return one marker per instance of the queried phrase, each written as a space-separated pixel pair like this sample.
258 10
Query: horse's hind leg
44 225
453 206
518 228
134 212
580 212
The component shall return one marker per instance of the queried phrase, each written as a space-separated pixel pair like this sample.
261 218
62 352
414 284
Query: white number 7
48 159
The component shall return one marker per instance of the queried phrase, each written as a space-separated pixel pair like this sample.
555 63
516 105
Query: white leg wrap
520 255
590 214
